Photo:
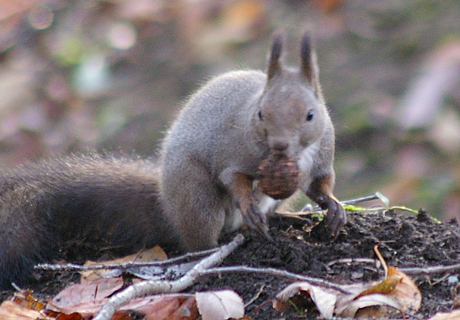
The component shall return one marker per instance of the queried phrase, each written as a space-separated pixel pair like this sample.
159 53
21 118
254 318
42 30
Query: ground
404 240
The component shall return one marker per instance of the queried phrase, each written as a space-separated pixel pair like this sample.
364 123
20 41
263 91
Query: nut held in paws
278 176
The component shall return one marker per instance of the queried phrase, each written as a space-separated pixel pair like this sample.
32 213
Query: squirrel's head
291 114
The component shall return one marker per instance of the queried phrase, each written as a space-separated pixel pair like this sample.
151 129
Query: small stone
278 176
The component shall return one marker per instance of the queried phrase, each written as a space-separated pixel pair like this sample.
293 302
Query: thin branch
407 270
256 296
351 260
317 281
126 265
359 200
431 270
346 202
153 286
273 272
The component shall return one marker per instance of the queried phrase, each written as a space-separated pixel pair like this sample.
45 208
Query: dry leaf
217 305
387 286
397 291
69 299
27 300
349 309
324 298
187 310
25 306
12 310
405 292
379 312
152 254
454 315
171 307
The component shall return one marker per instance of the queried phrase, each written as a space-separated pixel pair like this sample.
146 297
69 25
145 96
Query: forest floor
404 241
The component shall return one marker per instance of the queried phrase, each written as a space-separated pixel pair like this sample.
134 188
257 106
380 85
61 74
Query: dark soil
404 241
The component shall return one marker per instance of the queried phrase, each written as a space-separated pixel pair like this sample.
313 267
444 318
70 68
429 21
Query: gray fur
225 131
111 201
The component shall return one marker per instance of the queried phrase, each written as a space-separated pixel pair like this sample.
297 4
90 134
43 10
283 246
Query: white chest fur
306 161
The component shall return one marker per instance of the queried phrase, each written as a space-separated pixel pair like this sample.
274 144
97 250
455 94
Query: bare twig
359 200
444 277
153 286
381 259
431 270
126 265
276 273
407 270
347 202
351 260
256 296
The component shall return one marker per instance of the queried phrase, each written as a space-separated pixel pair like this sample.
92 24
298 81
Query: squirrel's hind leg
195 209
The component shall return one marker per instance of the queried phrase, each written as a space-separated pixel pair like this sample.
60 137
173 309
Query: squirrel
205 183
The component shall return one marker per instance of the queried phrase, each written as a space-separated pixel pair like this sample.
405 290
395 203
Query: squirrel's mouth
287 153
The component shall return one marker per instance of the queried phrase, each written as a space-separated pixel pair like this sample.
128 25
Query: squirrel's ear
308 66
274 65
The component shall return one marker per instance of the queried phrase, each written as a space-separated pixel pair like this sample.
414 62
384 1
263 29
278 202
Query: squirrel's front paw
336 217
256 220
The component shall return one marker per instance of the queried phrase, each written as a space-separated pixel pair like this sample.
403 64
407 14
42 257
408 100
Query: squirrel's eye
309 115
260 115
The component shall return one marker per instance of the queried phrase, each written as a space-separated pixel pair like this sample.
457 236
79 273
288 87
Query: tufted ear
274 65
308 67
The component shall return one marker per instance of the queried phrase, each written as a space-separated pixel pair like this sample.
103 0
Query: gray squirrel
203 186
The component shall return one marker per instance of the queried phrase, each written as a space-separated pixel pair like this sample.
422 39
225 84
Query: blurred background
111 75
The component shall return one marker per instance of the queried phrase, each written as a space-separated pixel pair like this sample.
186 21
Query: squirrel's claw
336 217
256 220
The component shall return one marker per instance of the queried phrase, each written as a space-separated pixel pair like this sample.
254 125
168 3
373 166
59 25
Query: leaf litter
405 240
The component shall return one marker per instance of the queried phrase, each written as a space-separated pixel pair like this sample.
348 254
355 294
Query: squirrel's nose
280 146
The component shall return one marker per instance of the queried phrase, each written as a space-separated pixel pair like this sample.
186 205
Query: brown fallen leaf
27 300
152 254
210 305
367 306
324 298
387 286
405 292
77 316
216 305
454 315
12 310
171 307
188 309
72 298
396 292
